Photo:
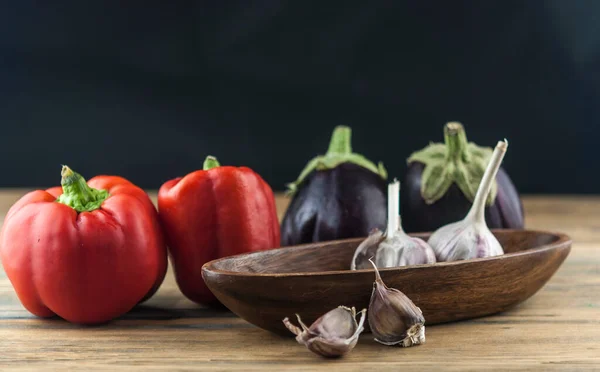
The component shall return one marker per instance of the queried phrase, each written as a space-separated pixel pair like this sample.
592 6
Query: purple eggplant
442 179
338 195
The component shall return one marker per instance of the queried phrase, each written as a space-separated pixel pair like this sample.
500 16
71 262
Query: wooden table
557 329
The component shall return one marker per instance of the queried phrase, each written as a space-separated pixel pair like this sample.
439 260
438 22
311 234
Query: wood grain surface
556 329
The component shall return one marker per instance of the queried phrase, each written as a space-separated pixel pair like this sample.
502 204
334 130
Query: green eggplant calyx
77 194
454 161
210 162
340 151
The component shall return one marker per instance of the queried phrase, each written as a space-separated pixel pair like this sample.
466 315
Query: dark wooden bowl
265 287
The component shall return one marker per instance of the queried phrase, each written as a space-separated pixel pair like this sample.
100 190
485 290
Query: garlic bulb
395 248
403 250
332 335
393 318
470 237
367 249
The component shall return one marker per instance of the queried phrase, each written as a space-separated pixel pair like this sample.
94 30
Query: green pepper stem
210 162
77 194
75 183
456 141
340 141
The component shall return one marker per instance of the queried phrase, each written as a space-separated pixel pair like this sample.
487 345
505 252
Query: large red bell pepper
87 252
212 213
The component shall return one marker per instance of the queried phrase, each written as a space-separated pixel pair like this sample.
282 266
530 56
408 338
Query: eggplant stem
341 141
456 142
339 152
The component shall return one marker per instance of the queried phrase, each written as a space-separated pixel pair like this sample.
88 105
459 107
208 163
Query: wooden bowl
264 287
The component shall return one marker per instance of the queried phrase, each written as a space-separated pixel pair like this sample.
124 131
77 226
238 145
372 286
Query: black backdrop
147 90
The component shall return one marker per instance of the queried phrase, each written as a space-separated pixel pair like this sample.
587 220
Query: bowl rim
564 240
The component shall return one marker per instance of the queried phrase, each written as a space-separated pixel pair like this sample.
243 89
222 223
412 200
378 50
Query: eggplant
338 195
441 181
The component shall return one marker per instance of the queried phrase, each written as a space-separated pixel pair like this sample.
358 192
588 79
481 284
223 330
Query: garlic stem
477 212
393 208
377 276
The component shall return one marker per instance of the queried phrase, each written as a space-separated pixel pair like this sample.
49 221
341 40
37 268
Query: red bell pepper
212 213
87 252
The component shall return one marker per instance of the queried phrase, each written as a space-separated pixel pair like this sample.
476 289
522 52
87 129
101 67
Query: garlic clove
332 335
393 318
470 237
367 249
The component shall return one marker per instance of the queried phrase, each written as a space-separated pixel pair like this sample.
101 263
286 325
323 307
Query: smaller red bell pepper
211 213
87 252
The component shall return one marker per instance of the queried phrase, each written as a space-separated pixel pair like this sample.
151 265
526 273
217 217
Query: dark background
147 90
